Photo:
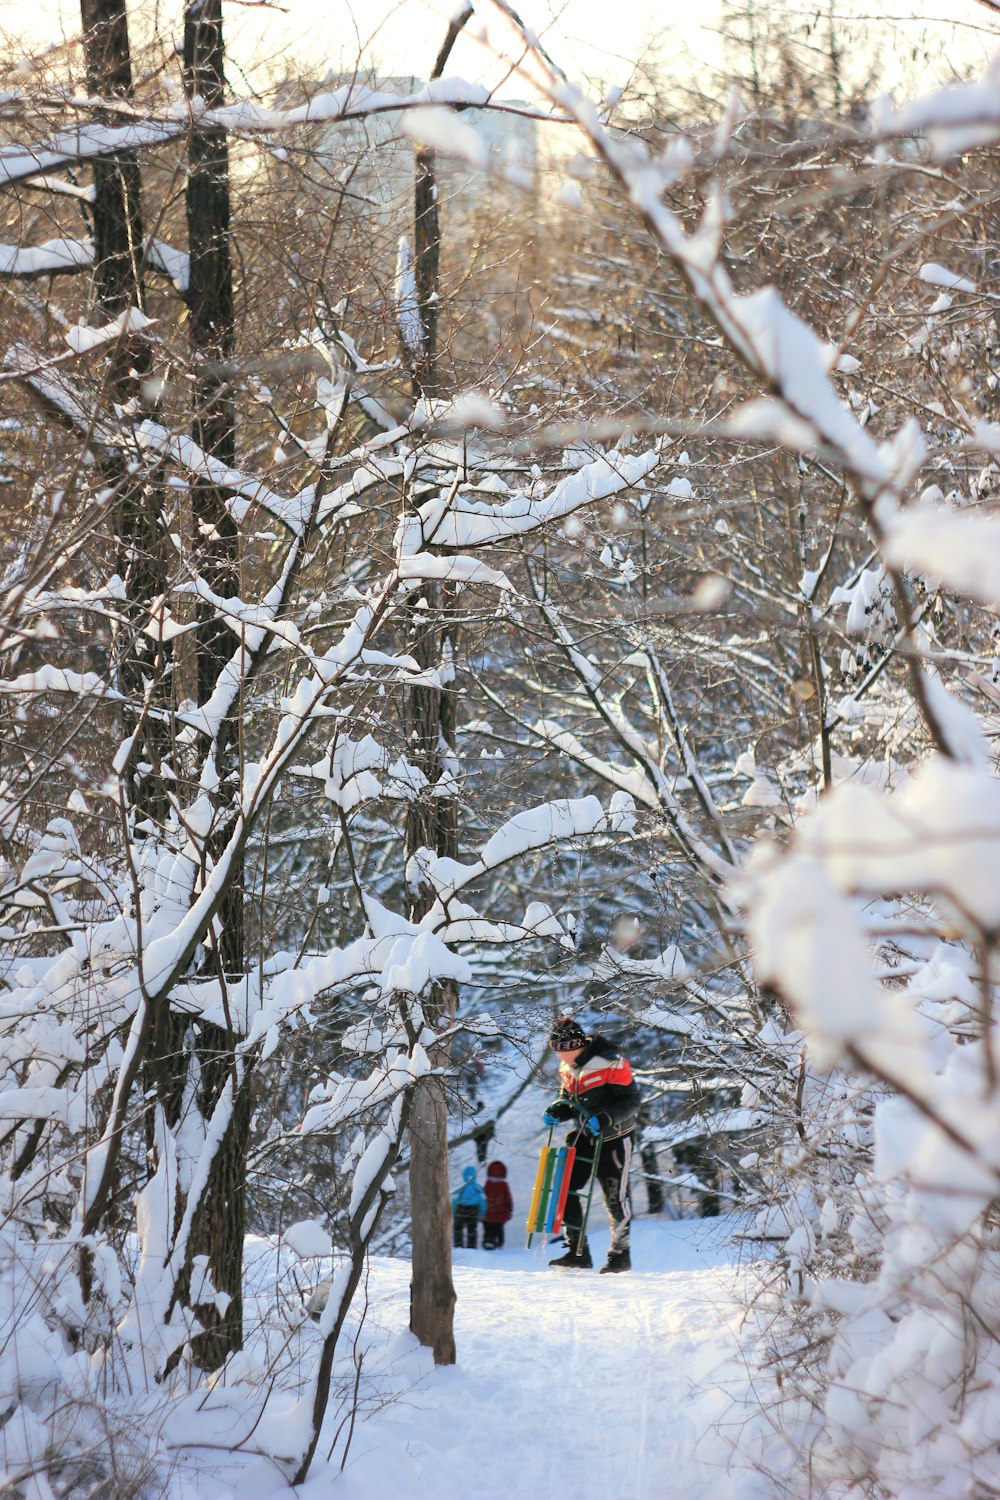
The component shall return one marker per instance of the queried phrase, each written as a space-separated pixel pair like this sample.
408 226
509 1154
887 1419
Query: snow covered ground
570 1385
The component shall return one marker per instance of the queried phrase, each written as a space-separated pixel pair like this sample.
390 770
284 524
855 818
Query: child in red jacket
499 1206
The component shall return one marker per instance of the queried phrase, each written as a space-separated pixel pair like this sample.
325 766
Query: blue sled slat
557 1178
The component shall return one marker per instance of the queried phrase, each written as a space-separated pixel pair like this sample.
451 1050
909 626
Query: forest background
452 578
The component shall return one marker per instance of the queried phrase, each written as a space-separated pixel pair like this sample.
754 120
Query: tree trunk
212 332
427 234
117 222
427 256
117 206
432 1291
220 1222
651 1172
219 1227
432 822
139 666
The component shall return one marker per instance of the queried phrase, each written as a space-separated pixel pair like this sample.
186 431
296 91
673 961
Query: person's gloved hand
549 1119
592 1125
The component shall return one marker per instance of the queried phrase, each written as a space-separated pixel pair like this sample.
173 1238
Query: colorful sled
551 1190
542 1189
560 1189
548 1198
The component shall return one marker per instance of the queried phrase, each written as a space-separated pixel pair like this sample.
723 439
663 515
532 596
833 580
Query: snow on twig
352 101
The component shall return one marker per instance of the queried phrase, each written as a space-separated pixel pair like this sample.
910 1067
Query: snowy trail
569 1385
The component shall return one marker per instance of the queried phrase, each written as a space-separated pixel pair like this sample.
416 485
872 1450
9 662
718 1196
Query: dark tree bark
117 207
651 1174
427 259
432 822
220 1220
141 665
213 337
427 236
432 1289
219 1226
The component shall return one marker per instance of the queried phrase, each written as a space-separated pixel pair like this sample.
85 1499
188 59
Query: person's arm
616 1100
561 1109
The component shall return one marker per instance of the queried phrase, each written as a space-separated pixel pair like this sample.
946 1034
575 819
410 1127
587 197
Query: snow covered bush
896 1344
872 918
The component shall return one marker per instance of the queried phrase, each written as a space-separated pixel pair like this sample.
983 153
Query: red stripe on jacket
619 1071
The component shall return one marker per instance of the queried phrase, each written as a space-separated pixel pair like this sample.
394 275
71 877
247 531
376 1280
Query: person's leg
577 1254
578 1180
499 1234
613 1175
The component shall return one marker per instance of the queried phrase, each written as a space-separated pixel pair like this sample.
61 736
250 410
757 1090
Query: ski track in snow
568 1385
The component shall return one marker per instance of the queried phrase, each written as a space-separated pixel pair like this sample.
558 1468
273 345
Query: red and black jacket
599 1083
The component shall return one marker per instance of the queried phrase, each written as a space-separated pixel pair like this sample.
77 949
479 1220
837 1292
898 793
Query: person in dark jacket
499 1206
468 1205
481 1137
599 1093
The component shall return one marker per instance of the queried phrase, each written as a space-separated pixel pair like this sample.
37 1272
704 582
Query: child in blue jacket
468 1205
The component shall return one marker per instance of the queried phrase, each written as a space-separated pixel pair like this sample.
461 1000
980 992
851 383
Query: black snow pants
613 1165
466 1222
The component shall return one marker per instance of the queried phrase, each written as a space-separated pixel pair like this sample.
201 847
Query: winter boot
572 1261
618 1260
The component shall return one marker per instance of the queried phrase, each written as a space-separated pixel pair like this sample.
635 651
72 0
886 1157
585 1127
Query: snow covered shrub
62 1418
894 1346
873 914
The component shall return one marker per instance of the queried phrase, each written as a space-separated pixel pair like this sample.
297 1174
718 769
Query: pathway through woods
569 1386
